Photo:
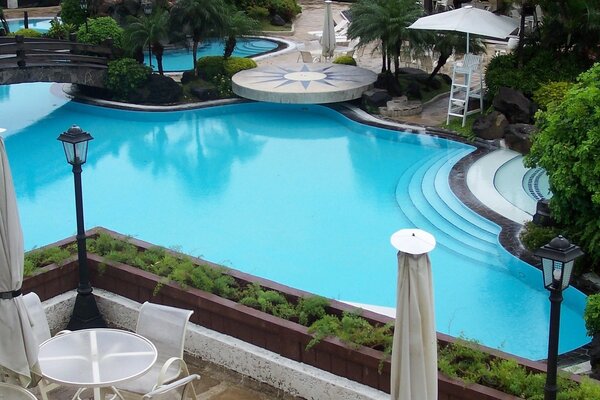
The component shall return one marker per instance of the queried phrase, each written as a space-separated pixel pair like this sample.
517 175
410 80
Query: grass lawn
267 27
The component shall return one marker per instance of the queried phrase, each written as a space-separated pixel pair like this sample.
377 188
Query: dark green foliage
233 65
592 315
257 12
210 67
345 60
567 147
286 9
551 93
539 67
125 76
534 236
71 12
223 86
100 29
28 33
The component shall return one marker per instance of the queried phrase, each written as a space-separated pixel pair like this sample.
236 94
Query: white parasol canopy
328 38
469 20
414 351
18 347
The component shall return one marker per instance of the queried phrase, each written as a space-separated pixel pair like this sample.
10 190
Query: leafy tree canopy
567 147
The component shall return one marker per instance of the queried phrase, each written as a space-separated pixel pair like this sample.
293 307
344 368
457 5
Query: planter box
286 338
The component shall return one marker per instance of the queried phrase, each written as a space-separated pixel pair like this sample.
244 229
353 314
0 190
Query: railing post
109 42
20 42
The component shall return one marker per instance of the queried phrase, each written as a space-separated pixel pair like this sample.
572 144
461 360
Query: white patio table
14 392
96 359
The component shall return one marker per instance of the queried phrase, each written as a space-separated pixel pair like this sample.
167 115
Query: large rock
158 90
490 126
375 98
276 20
518 137
514 105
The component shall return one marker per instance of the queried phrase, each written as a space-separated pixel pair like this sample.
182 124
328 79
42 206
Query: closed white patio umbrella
18 347
414 350
328 38
469 20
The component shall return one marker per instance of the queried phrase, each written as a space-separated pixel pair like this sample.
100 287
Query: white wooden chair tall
467 83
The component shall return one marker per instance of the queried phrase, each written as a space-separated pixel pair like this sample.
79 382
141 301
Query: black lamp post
83 4
85 313
558 258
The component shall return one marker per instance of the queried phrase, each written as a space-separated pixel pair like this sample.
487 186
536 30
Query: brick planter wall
286 338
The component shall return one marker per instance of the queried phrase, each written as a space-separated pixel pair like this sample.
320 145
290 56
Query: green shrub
257 12
28 33
38 258
310 309
551 93
286 9
100 29
125 75
233 65
534 236
540 67
567 147
591 314
345 60
223 86
59 30
71 12
210 67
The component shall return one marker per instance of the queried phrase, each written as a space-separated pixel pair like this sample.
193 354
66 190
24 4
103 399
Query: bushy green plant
233 65
71 12
345 60
309 309
125 75
269 301
286 9
567 147
38 258
257 12
100 29
28 33
539 68
551 93
223 86
534 236
60 30
591 314
210 67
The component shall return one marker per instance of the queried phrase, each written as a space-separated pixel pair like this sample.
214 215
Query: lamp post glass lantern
558 258
83 4
85 312
147 8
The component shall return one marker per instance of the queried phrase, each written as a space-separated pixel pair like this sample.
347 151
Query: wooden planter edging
280 336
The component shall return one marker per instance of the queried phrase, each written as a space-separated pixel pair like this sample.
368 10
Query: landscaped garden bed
287 337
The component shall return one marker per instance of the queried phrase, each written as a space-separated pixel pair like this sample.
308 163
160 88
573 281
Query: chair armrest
173 385
163 371
62 332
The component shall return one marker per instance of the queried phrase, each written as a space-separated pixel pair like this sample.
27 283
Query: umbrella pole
467 42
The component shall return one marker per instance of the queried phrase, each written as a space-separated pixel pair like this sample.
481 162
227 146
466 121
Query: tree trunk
158 53
383 58
194 55
428 5
442 59
519 50
229 46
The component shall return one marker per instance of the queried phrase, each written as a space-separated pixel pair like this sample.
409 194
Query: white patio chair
165 327
180 389
41 332
307 57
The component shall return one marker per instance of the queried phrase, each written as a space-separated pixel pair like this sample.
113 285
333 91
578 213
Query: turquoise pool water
181 59
297 194
176 59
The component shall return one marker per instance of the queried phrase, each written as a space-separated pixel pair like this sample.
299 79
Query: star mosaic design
327 75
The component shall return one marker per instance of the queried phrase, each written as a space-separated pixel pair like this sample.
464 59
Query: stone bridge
47 60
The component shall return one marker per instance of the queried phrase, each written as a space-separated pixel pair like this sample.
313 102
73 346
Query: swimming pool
294 193
175 60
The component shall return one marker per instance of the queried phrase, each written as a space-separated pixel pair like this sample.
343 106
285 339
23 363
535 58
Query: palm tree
4 22
385 21
199 19
149 31
451 42
236 24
